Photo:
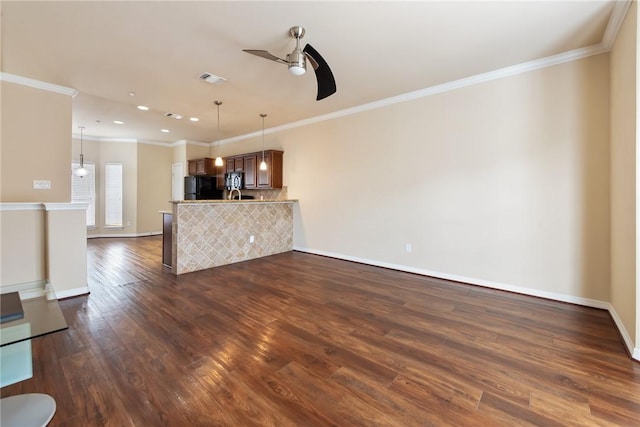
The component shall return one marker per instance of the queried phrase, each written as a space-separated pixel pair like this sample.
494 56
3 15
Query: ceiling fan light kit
297 63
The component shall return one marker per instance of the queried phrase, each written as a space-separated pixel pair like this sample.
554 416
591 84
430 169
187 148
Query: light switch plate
41 185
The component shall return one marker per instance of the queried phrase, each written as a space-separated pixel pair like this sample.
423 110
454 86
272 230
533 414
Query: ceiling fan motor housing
297 62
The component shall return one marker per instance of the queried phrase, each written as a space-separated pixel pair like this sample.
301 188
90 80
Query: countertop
238 202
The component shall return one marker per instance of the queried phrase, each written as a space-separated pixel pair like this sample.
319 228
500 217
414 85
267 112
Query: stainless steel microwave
234 181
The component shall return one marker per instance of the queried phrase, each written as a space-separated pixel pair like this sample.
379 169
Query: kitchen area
230 213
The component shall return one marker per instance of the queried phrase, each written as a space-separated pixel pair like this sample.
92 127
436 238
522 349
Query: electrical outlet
252 239
407 248
41 185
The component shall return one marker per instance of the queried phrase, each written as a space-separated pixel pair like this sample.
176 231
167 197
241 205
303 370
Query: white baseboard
587 302
626 338
27 290
68 293
148 233
41 288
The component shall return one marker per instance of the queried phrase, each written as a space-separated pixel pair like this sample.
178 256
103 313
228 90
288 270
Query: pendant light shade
263 164
81 171
218 161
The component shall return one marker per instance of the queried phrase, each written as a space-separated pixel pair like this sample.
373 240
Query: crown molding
37 84
85 137
123 140
186 142
616 19
156 143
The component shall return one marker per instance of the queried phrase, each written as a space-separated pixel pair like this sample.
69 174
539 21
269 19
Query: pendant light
81 171
218 161
263 164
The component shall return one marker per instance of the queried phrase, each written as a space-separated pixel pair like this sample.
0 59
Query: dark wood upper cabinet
204 166
220 171
229 164
272 177
254 178
250 178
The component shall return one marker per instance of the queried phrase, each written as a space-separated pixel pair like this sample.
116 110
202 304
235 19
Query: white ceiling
376 50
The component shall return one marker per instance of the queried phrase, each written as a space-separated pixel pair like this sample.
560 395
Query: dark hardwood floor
301 340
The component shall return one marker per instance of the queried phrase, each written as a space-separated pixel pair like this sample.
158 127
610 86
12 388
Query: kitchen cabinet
204 166
220 171
272 177
254 178
250 177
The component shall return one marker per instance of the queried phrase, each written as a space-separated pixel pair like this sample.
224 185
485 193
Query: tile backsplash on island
207 235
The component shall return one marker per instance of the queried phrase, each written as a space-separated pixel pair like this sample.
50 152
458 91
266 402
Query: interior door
177 181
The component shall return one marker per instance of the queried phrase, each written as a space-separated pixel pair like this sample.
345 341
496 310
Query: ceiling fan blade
324 76
264 54
314 64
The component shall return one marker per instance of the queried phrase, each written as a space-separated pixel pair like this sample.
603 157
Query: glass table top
42 316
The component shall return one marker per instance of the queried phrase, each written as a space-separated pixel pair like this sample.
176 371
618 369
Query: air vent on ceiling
212 78
173 116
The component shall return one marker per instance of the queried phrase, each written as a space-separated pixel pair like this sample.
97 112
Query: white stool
27 410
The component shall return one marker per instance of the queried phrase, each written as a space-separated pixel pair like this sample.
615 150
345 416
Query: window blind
113 195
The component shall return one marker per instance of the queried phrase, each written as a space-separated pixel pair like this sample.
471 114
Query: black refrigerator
201 188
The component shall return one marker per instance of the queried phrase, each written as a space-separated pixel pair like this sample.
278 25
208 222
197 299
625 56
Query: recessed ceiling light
132 94
164 130
143 108
194 119
118 122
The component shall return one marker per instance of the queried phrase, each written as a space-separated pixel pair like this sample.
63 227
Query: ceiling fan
297 63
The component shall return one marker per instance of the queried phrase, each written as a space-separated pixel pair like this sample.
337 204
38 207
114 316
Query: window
113 195
83 190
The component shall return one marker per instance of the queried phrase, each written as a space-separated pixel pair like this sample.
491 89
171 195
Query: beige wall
66 250
35 144
623 173
22 250
197 151
154 186
503 182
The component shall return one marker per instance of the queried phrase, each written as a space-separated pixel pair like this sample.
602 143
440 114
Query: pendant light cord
218 131
263 116
81 147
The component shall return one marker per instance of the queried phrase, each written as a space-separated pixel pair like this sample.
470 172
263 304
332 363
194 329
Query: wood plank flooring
301 340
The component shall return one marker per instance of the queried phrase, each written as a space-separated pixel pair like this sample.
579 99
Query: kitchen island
211 233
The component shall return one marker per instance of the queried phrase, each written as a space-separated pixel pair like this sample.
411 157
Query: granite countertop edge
215 202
